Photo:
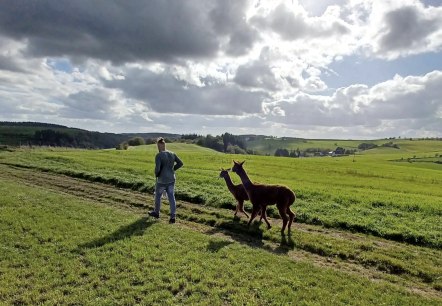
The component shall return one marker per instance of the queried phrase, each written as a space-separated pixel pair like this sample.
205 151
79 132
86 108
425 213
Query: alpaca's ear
241 163
235 162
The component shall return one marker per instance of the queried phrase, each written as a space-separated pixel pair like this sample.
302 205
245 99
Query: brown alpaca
262 195
238 191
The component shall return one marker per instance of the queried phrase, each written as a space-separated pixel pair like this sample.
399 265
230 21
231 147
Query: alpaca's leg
241 208
254 213
291 217
237 208
285 218
264 216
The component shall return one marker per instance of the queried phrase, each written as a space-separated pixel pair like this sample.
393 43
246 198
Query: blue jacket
166 163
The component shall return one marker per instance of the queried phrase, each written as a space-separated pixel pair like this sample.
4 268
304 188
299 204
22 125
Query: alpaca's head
224 173
237 166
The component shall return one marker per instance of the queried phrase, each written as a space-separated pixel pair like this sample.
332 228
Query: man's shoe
154 214
172 220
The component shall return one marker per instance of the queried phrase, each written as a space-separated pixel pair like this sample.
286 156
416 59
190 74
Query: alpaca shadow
215 246
136 228
253 236
240 232
287 244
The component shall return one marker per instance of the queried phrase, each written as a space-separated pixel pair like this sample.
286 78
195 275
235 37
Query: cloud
9 64
256 75
95 104
165 92
119 31
292 23
228 19
246 66
415 98
404 29
407 98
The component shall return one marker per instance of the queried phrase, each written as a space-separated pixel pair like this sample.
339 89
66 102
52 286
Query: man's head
161 144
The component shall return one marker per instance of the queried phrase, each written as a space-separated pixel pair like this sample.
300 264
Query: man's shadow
136 228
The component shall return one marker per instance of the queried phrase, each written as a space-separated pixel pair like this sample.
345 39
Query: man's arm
178 162
157 165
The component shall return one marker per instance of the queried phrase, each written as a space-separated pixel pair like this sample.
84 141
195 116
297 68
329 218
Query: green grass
269 145
60 249
418 265
374 194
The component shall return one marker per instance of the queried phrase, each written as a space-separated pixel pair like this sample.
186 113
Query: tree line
76 139
227 143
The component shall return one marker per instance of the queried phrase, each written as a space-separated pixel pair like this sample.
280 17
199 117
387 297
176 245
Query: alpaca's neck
229 182
247 183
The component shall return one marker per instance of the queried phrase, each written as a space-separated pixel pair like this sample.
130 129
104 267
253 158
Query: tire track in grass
305 244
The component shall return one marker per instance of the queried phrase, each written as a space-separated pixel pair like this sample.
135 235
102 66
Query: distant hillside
37 133
269 145
152 135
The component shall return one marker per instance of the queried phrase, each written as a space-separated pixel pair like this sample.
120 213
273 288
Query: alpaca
238 191
262 195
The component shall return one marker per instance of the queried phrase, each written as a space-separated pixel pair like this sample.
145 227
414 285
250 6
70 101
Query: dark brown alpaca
238 191
262 195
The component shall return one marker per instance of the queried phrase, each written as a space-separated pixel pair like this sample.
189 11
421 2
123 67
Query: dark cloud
94 104
228 19
9 64
407 28
127 31
256 75
165 93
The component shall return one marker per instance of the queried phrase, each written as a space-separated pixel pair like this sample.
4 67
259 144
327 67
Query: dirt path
220 223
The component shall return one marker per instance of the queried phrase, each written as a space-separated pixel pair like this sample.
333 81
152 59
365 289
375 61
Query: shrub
136 141
367 146
122 146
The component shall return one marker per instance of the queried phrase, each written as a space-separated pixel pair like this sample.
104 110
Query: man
166 163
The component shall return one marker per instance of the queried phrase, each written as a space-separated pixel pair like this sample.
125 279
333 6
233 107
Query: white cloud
395 101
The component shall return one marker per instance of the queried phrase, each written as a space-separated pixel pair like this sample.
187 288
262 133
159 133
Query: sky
341 69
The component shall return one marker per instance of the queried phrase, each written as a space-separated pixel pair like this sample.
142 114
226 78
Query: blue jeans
170 190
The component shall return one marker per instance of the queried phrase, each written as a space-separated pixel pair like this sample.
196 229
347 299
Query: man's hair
161 140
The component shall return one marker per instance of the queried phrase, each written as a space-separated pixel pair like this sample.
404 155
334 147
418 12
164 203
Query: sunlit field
378 192
60 249
69 216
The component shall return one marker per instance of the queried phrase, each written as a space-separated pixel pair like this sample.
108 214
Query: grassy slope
405 145
60 249
396 200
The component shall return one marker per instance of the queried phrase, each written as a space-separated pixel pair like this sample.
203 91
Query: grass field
269 145
361 225
374 194
67 241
